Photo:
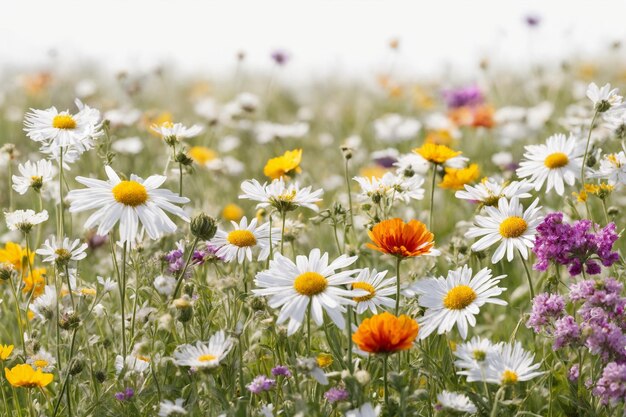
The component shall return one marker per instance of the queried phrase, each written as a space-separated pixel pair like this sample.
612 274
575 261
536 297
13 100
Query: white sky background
341 37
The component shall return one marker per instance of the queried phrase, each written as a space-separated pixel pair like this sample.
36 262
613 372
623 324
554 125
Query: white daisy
366 410
378 289
396 128
391 186
239 243
204 355
489 191
612 168
44 306
456 299
292 286
165 285
108 284
508 224
508 365
411 164
473 355
128 202
603 98
54 129
62 252
453 401
176 132
167 408
131 364
42 360
24 220
559 161
280 195
33 175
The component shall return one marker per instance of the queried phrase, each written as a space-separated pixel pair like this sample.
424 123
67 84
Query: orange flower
401 239
386 333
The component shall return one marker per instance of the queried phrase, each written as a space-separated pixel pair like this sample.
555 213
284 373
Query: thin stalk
385 357
61 208
349 331
282 232
398 260
347 174
494 410
530 282
582 168
10 167
432 198
308 330
182 273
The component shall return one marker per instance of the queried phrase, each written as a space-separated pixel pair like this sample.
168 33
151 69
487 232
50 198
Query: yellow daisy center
310 283
479 355
63 254
207 358
130 193
287 197
63 121
513 226
364 286
509 377
241 238
459 297
143 358
40 363
556 160
612 158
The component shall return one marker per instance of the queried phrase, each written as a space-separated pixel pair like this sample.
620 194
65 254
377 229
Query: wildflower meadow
258 246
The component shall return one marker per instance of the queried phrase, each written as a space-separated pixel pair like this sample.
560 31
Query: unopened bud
203 226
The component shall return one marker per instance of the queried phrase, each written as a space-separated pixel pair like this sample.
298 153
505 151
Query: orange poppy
386 333
401 239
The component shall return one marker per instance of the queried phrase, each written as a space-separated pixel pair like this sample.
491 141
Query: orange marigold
401 239
386 333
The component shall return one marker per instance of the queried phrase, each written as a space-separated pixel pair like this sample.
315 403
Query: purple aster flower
566 333
611 387
336 394
546 308
533 20
281 370
573 373
463 96
280 57
260 384
125 395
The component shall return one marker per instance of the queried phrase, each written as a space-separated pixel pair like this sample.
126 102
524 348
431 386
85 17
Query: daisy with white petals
558 162
24 220
204 355
613 168
379 289
33 175
62 252
292 286
509 365
603 98
473 355
489 191
456 299
453 401
129 202
509 224
168 408
391 186
239 243
176 132
280 195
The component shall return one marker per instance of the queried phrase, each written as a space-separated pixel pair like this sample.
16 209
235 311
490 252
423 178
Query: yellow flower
439 137
25 376
456 178
201 154
5 351
324 360
601 191
15 255
36 282
232 212
282 165
374 171
436 154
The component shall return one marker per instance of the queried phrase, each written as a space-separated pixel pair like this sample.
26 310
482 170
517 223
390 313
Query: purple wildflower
463 96
573 373
533 20
260 384
566 332
611 387
336 394
546 307
280 57
125 395
281 370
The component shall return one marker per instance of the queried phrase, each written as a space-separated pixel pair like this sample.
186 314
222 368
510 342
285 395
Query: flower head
204 355
287 164
239 243
457 178
281 196
385 333
25 376
5 351
24 220
436 154
33 175
395 237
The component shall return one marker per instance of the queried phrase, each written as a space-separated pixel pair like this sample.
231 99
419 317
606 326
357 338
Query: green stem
386 388
349 331
180 179
398 260
122 288
494 410
432 198
347 174
282 232
61 208
530 282
181 277
308 330
10 166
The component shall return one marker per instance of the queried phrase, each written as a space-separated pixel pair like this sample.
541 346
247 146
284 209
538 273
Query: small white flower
473 355
379 289
411 164
44 306
167 408
239 243
132 364
507 366
63 251
165 285
24 220
177 131
203 355
396 128
280 195
391 186
508 224
613 168
603 98
455 402
366 410
108 284
456 299
559 161
42 360
489 191
33 175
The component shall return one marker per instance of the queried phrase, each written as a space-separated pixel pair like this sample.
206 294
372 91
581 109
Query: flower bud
69 320
203 226
77 367
362 376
